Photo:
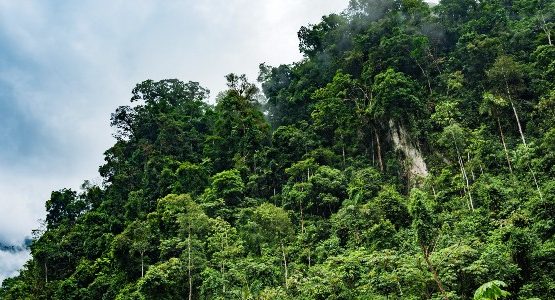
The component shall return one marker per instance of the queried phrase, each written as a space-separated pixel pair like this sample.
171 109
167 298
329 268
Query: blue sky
66 65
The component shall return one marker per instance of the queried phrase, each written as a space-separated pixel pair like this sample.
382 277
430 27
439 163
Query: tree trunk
546 30
471 168
301 209
380 162
514 111
425 75
433 270
342 148
222 270
400 290
142 265
223 278
518 122
343 153
302 217
523 139
284 263
535 180
189 263
504 146
465 178
526 147
463 172
373 155
254 162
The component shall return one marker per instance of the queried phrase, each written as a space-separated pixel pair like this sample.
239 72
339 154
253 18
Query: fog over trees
409 155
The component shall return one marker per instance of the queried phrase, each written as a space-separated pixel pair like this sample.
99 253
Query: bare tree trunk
254 162
504 146
380 162
514 111
523 139
434 272
223 278
45 273
142 265
546 30
343 153
518 122
463 172
373 155
284 263
301 211
466 181
471 168
535 180
400 290
302 218
189 263
425 75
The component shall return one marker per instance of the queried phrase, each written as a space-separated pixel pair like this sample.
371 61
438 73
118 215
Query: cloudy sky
66 65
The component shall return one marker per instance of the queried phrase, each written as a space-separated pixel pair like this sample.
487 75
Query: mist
11 262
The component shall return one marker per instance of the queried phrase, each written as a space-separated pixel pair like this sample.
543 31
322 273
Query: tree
63 207
191 178
225 246
507 78
454 135
240 128
426 231
164 281
364 185
140 236
340 113
226 193
193 225
396 98
491 105
209 201
314 189
312 39
272 225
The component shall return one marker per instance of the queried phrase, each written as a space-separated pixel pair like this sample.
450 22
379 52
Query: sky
66 65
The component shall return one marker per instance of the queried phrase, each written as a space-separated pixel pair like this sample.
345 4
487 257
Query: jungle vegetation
409 155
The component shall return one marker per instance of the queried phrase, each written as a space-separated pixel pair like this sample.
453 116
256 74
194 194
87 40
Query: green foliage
164 281
63 207
397 97
309 192
491 291
423 219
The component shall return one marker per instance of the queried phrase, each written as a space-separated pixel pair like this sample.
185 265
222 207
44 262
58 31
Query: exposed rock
416 166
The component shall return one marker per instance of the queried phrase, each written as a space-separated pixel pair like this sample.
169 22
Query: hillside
409 155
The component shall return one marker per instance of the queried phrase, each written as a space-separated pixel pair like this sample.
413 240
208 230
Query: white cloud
11 262
69 64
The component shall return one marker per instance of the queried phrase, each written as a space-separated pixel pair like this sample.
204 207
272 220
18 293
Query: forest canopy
409 155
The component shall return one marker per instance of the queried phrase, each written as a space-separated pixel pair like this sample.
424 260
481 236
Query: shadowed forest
409 155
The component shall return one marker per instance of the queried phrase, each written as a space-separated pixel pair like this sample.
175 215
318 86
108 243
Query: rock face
414 160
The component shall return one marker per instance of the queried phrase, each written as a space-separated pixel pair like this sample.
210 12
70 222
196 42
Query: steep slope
389 163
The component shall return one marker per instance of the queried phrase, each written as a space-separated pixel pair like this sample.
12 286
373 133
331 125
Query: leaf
491 291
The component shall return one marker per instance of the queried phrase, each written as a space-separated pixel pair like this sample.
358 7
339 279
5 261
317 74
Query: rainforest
409 155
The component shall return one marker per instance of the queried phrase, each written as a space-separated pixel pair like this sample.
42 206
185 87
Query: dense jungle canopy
409 155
